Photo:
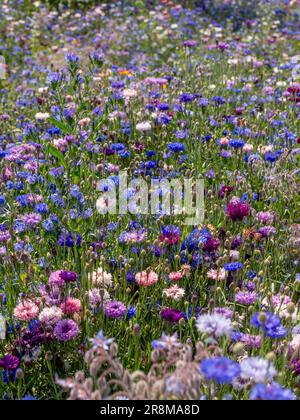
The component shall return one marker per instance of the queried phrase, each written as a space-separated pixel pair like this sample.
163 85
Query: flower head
9 362
214 325
220 370
26 311
66 330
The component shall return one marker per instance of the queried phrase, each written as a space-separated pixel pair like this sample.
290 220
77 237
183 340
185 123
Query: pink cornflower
61 144
55 279
224 141
146 278
71 306
219 274
247 148
175 276
174 292
26 311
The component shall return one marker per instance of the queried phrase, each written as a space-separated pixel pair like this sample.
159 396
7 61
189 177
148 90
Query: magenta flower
237 210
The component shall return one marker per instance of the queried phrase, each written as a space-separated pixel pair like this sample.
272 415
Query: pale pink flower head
174 292
146 278
51 315
268 90
248 148
129 93
55 279
71 306
219 274
186 270
175 276
26 310
224 141
234 255
84 122
61 144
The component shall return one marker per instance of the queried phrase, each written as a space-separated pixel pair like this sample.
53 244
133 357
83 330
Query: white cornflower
258 370
144 126
101 278
214 325
129 93
97 296
42 116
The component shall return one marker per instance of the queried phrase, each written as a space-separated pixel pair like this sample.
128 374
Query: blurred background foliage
239 11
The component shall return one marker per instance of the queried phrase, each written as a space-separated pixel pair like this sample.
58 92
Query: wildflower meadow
149 200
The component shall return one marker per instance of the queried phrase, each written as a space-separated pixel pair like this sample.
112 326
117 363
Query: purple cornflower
190 43
66 330
246 298
9 362
220 370
267 231
211 245
4 236
172 315
32 219
115 309
68 276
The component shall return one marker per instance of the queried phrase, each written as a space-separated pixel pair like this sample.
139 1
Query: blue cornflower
195 240
236 143
234 266
176 147
270 323
41 208
186 97
265 320
131 312
72 58
163 107
54 77
2 200
69 240
272 156
219 100
182 134
220 369
29 398
57 172
271 392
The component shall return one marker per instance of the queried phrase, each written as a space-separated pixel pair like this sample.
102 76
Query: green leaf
60 124
57 154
